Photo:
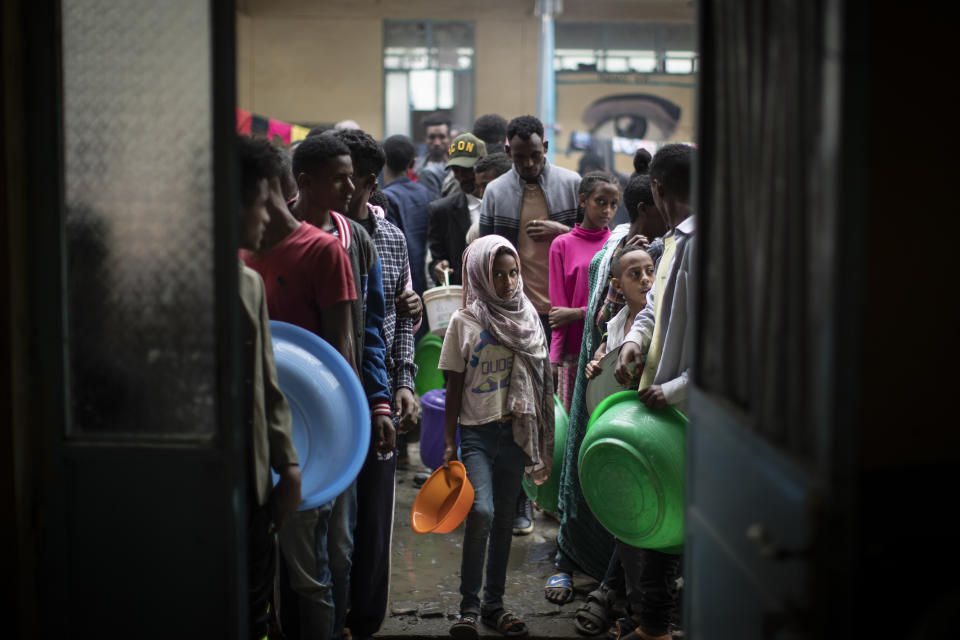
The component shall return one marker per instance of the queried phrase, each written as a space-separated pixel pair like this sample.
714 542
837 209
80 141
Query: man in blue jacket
408 205
431 170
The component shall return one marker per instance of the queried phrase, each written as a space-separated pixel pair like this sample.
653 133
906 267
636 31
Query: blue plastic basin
331 417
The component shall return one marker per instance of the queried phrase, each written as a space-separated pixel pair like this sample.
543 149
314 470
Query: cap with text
465 150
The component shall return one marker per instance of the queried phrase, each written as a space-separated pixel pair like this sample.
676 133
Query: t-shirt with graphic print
486 365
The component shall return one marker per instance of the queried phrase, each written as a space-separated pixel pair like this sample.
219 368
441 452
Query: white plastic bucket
441 302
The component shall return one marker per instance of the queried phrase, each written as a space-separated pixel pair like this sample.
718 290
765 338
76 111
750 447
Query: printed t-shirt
486 365
303 274
534 256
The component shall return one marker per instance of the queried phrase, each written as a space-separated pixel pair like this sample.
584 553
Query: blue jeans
335 551
317 545
494 466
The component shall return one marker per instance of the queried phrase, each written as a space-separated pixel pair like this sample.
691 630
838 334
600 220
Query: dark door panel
748 528
149 542
129 419
763 445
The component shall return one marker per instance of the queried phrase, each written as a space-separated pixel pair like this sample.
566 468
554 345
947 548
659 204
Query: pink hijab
515 324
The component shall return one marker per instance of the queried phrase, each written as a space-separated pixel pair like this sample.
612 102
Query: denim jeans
494 466
317 545
335 551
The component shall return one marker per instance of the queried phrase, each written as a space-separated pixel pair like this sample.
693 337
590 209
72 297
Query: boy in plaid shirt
376 483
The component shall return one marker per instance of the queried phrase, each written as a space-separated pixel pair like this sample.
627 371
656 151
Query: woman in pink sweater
570 256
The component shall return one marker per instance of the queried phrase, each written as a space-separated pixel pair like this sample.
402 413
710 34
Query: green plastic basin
632 471
427 358
547 494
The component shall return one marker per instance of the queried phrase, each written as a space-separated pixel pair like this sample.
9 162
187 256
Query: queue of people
342 236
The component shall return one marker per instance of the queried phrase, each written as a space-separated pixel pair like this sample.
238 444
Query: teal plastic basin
427 357
547 494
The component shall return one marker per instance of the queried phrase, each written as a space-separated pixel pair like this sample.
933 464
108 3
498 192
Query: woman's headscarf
514 323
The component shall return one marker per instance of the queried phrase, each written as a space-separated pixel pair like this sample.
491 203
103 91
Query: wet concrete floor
425 577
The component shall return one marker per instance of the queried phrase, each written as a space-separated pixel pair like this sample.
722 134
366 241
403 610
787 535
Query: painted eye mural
633 115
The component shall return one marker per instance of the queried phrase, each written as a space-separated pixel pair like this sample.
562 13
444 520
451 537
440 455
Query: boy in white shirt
632 269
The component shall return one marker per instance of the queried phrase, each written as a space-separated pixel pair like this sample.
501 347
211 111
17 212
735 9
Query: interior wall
919 427
314 70
244 59
906 437
585 10
506 66
312 62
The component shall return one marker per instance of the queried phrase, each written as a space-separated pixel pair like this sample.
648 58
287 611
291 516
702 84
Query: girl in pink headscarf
499 392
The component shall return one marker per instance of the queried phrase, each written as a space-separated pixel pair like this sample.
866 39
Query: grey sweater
500 208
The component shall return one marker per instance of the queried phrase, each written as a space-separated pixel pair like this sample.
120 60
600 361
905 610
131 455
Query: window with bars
428 66
600 47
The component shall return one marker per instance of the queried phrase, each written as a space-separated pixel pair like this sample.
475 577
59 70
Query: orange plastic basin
443 501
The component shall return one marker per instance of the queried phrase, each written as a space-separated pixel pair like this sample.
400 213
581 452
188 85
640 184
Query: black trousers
565 564
370 573
652 589
547 331
614 578
261 567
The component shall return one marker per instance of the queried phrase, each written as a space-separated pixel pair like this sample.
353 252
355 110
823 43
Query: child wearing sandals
499 392
632 274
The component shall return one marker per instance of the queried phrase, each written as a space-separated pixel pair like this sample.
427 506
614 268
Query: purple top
570 256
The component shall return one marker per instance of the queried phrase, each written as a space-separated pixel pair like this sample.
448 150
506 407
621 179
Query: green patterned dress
581 538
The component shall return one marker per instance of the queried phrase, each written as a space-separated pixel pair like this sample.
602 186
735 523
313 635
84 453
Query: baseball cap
465 150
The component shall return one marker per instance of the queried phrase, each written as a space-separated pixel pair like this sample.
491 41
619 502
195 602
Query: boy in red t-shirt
307 276
309 282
